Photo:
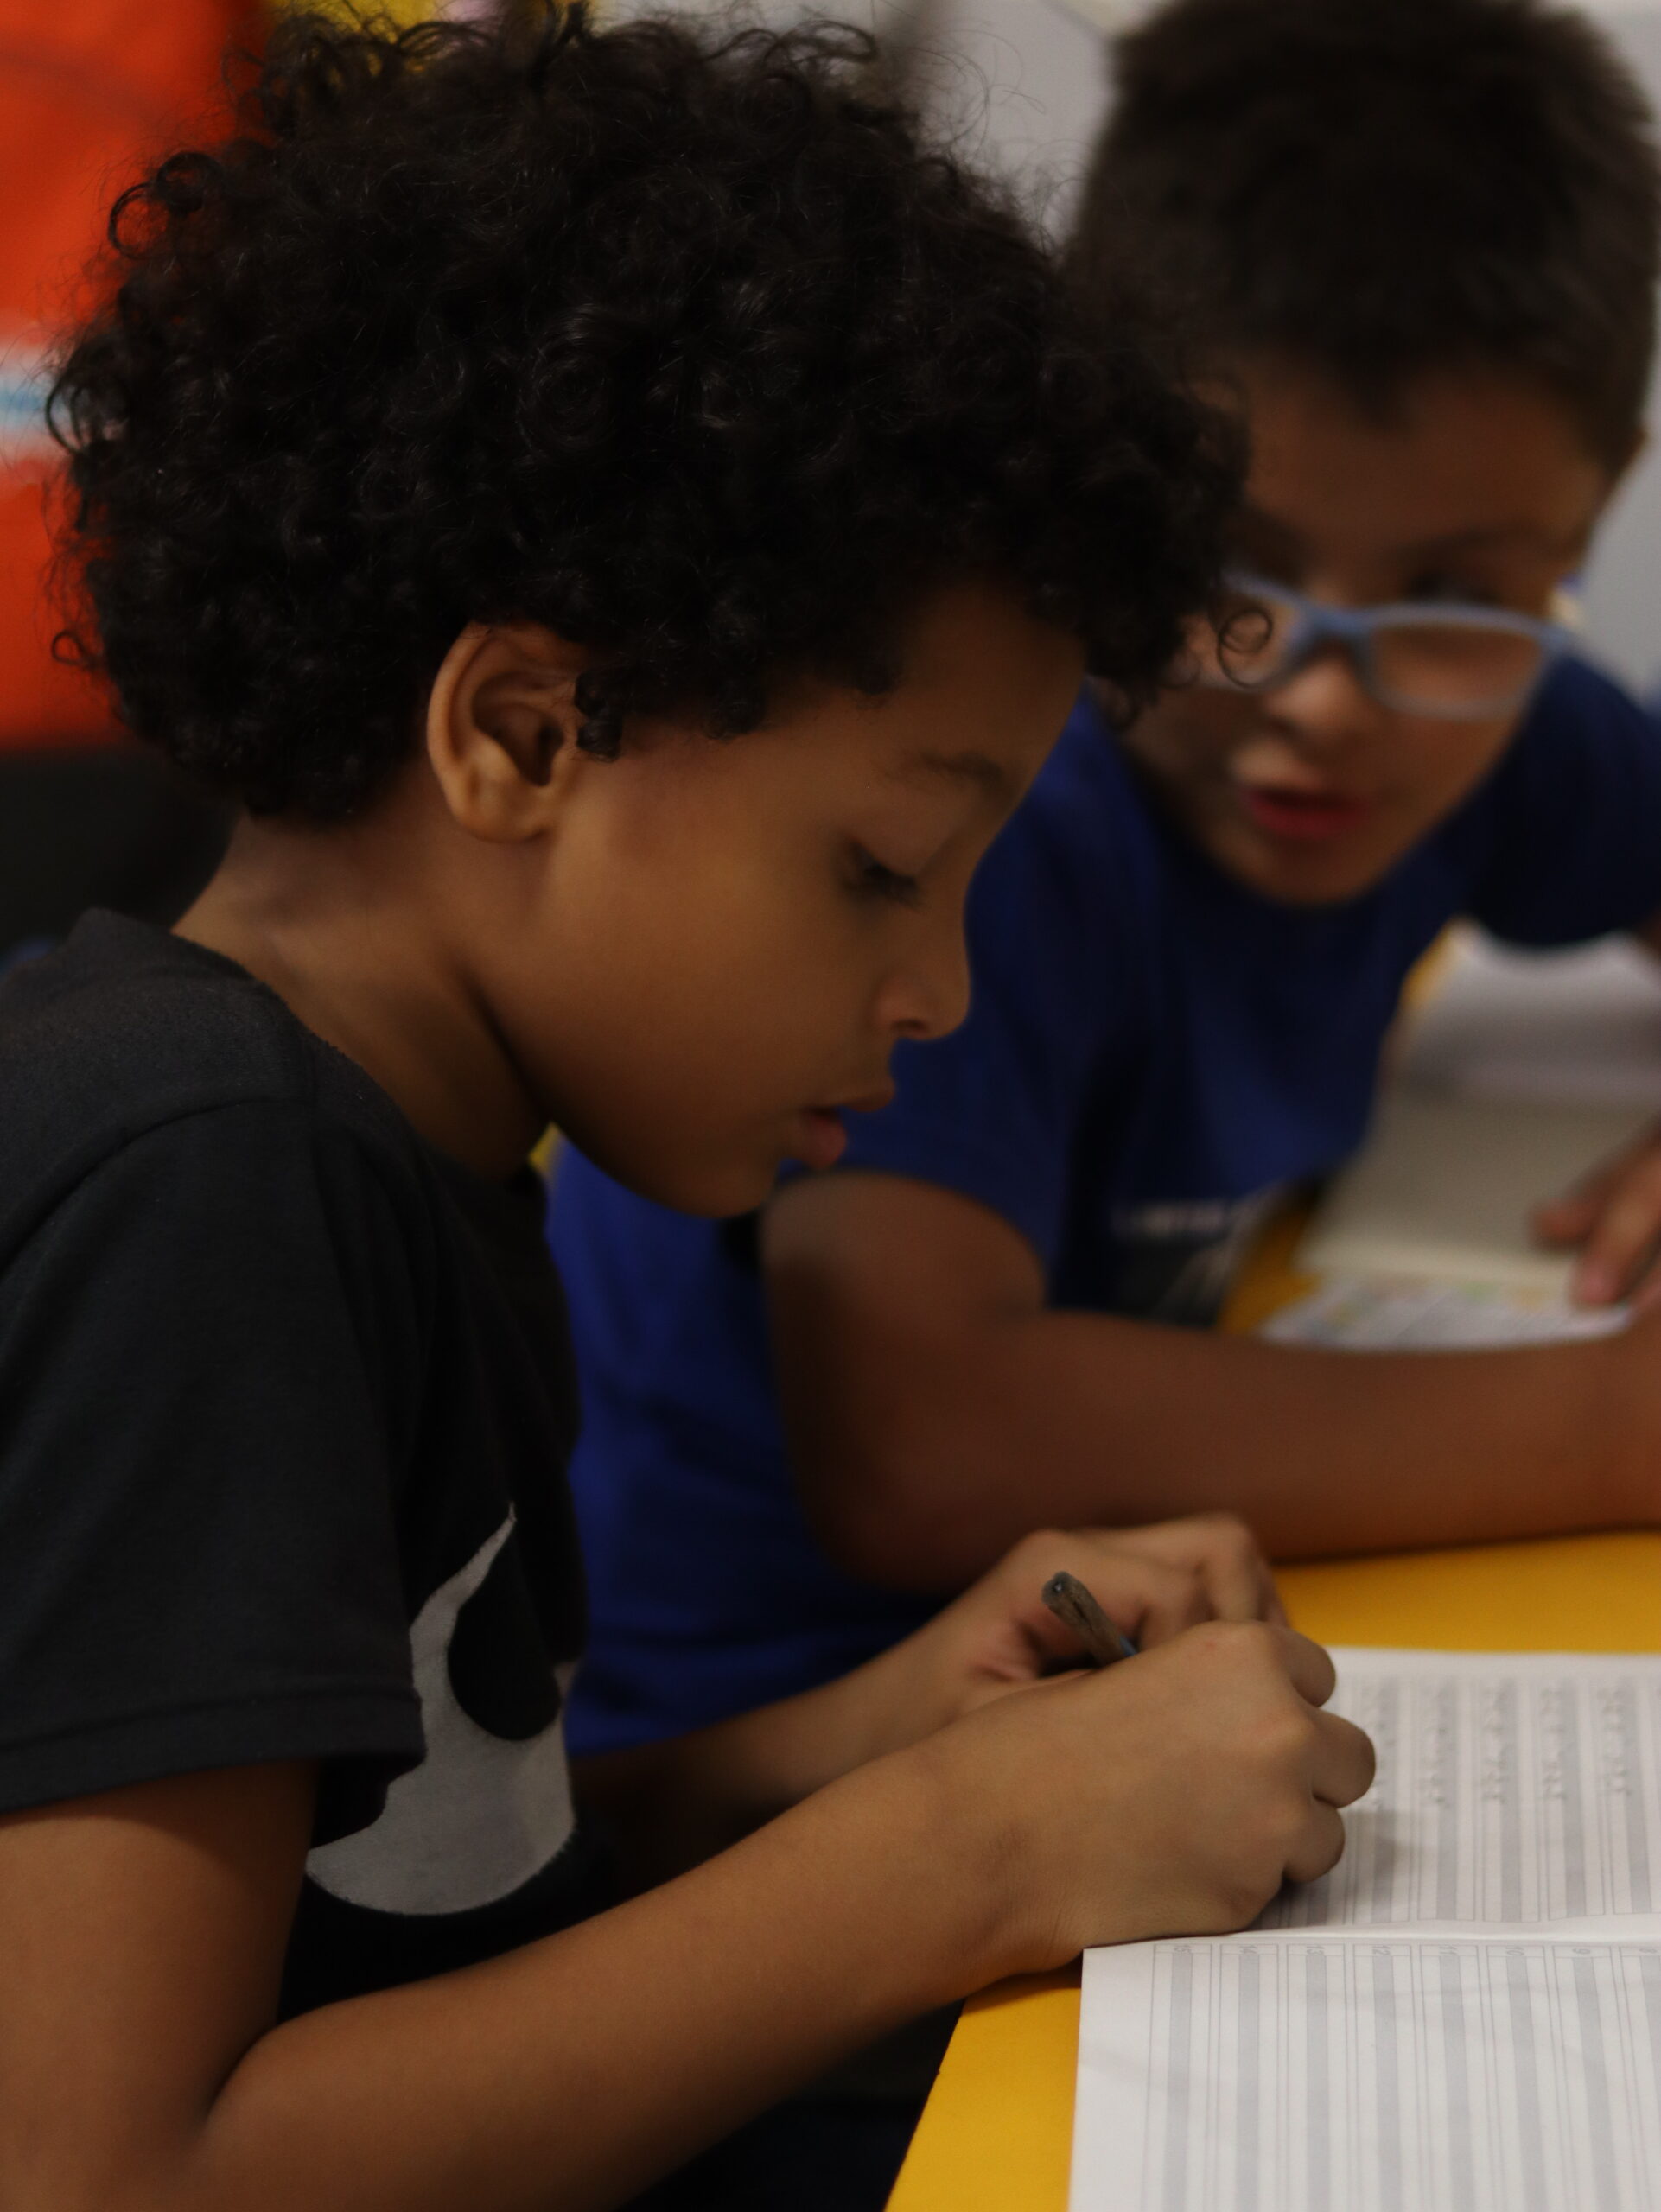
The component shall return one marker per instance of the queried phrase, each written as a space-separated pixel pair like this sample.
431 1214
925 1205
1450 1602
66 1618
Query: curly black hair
1388 190
686 345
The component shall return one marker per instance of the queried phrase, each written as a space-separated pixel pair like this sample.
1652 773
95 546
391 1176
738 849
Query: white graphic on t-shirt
480 1816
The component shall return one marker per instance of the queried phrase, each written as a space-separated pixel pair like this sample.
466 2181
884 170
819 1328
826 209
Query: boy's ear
501 729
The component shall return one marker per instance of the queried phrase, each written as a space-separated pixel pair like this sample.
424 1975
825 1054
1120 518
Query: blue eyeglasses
1455 663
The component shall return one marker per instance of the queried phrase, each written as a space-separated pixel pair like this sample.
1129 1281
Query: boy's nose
930 995
1324 705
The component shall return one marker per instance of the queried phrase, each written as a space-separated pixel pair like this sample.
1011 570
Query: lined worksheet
1398 1313
1511 1790
1316 2074
1464 2017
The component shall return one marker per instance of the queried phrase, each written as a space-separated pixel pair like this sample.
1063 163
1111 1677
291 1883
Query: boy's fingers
1173 1599
1148 1598
1237 1577
1308 1665
1223 1551
1568 1218
1623 1236
1319 1848
1568 1215
1344 1761
1572 1215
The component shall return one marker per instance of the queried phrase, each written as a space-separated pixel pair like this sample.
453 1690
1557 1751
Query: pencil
1074 1607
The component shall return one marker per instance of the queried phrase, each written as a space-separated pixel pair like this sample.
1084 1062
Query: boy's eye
872 880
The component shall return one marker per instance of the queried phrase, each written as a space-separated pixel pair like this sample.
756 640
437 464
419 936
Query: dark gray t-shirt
285 1402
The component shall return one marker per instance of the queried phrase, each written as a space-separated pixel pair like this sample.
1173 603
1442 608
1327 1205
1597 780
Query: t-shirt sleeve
994 1109
204 1349
1575 824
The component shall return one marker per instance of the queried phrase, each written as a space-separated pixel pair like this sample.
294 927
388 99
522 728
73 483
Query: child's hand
1170 1795
1615 1216
1000 1635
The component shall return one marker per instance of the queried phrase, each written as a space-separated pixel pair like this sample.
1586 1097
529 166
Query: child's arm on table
675 1802
935 1406
145 1929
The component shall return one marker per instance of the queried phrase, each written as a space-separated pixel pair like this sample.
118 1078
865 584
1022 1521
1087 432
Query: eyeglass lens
1454 665
1418 660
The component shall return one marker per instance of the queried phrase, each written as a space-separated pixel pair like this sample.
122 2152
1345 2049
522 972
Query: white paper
1247 2074
1464 2017
1403 1313
1511 1790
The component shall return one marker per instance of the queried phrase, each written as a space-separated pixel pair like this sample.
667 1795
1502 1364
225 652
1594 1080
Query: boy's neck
362 953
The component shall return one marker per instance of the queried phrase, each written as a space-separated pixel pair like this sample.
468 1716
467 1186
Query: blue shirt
1152 1048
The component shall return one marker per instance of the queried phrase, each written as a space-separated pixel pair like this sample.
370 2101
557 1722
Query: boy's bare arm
935 1409
144 1933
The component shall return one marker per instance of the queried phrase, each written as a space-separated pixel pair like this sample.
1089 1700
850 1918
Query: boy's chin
1306 874
713 1188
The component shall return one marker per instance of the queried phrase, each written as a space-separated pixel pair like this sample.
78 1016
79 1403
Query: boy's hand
1613 1215
1170 1794
1153 1583
676 1803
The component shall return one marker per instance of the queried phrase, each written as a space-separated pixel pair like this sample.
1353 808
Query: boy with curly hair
1416 239
626 520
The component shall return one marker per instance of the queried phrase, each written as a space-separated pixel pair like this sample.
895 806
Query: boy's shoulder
1562 842
125 1029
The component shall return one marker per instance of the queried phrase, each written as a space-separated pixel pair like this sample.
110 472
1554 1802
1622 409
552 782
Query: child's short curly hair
1385 190
684 344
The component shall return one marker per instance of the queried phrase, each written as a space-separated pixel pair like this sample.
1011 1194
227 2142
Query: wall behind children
1027 77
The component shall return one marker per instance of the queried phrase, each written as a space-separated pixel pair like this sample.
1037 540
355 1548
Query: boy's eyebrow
1256 522
978 768
1485 534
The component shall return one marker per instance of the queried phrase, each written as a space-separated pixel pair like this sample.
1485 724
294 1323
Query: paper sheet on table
1403 1313
1465 2015
1252 2076
1512 1789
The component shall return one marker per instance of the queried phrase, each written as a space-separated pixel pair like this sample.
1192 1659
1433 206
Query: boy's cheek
1438 764
691 1103
1187 740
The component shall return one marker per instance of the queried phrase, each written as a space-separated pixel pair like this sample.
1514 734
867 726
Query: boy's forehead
1475 462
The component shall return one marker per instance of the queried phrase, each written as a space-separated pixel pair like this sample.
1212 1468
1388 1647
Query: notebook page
1443 1187
1308 2075
1512 1789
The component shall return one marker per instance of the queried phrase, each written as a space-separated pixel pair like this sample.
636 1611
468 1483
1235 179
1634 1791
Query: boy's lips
824 1134
1289 811
825 1137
